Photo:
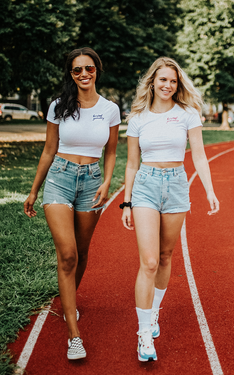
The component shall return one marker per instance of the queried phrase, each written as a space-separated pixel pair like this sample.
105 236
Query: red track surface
105 300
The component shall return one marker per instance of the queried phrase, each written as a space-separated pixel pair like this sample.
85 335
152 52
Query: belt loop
65 165
175 173
90 169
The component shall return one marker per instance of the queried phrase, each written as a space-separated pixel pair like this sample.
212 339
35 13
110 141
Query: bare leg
147 225
85 223
60 219
170 228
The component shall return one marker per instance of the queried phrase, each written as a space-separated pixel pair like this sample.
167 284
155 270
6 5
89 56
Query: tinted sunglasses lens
76 71
90 68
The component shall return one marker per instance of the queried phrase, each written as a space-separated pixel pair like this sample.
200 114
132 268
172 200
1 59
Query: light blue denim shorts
165 190
72 184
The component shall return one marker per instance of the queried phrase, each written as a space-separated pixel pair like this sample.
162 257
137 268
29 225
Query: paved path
24 133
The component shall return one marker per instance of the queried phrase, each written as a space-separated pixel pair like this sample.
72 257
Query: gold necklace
155 111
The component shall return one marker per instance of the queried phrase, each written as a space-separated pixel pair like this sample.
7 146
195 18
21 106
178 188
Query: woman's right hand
126 218
28 205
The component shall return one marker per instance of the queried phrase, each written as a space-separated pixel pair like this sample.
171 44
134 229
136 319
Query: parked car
9 111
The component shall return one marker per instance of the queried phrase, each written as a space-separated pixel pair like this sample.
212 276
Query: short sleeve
193 120
115 116
51 114
133 130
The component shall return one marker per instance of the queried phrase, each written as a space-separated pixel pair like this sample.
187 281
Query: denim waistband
161 171
66 164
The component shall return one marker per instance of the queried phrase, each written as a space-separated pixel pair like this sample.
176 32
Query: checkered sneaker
77 315
155 329
76 349
146 349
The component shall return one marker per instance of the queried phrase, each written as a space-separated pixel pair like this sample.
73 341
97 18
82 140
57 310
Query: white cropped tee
87 135
163 136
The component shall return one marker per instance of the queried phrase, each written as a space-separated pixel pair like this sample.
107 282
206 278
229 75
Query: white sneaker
77 315
76 349
146 349
155 329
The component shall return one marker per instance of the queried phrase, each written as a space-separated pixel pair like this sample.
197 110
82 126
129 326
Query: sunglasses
78 69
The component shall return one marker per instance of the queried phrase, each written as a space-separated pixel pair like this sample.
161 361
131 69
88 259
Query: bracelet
125 204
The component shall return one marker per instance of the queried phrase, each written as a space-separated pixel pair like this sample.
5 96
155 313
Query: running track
197 335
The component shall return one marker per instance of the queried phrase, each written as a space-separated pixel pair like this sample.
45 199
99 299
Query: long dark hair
68 105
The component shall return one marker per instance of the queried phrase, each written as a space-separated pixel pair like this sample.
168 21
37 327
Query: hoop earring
152 87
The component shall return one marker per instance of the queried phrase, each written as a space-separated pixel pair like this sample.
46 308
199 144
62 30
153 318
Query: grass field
28 278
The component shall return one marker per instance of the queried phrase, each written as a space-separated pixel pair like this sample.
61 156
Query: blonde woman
165 112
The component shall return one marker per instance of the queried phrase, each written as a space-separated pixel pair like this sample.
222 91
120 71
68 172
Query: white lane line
209 345
113 197
32 339
206 335
29 346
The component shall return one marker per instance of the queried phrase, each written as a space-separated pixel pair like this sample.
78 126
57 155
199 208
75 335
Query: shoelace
146 338
155 317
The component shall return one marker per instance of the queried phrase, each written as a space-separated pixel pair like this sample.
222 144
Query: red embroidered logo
172 119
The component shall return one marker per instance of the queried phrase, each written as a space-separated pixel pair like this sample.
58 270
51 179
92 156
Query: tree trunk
225 123
121 105
44 107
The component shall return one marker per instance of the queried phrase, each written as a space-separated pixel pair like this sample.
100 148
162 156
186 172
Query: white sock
158 297
144 319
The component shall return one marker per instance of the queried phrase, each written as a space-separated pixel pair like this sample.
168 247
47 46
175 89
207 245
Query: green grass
217 136
28 274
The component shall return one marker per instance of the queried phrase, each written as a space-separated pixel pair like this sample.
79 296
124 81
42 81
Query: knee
165 258
150 266
68 262
82 256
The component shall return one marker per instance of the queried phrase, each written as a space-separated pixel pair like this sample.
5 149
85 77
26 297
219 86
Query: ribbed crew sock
144 319
158 297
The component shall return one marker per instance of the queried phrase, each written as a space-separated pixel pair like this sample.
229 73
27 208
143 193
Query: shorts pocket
55 168
96 172
141 177
183 179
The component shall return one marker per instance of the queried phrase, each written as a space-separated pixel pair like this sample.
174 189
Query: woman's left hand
102 193
214 203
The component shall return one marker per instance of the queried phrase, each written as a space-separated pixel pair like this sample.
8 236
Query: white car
9 111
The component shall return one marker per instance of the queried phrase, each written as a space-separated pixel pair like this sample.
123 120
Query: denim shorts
163 189
72 184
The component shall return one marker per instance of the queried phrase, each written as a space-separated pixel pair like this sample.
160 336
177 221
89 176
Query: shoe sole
79 356
150 359
156 336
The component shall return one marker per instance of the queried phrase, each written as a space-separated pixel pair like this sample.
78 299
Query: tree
36 35
128 36
207 42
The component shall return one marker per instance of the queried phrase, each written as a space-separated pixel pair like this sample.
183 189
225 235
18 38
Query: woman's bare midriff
78 159
169 164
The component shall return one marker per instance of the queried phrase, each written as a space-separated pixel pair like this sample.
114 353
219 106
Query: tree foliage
35 36
207 42
128 36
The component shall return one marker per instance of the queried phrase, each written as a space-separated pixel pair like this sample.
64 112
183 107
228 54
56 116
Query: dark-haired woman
79 123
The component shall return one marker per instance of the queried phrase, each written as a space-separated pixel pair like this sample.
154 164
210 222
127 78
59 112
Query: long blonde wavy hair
186 96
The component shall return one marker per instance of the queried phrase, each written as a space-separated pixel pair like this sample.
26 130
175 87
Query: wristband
125 204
